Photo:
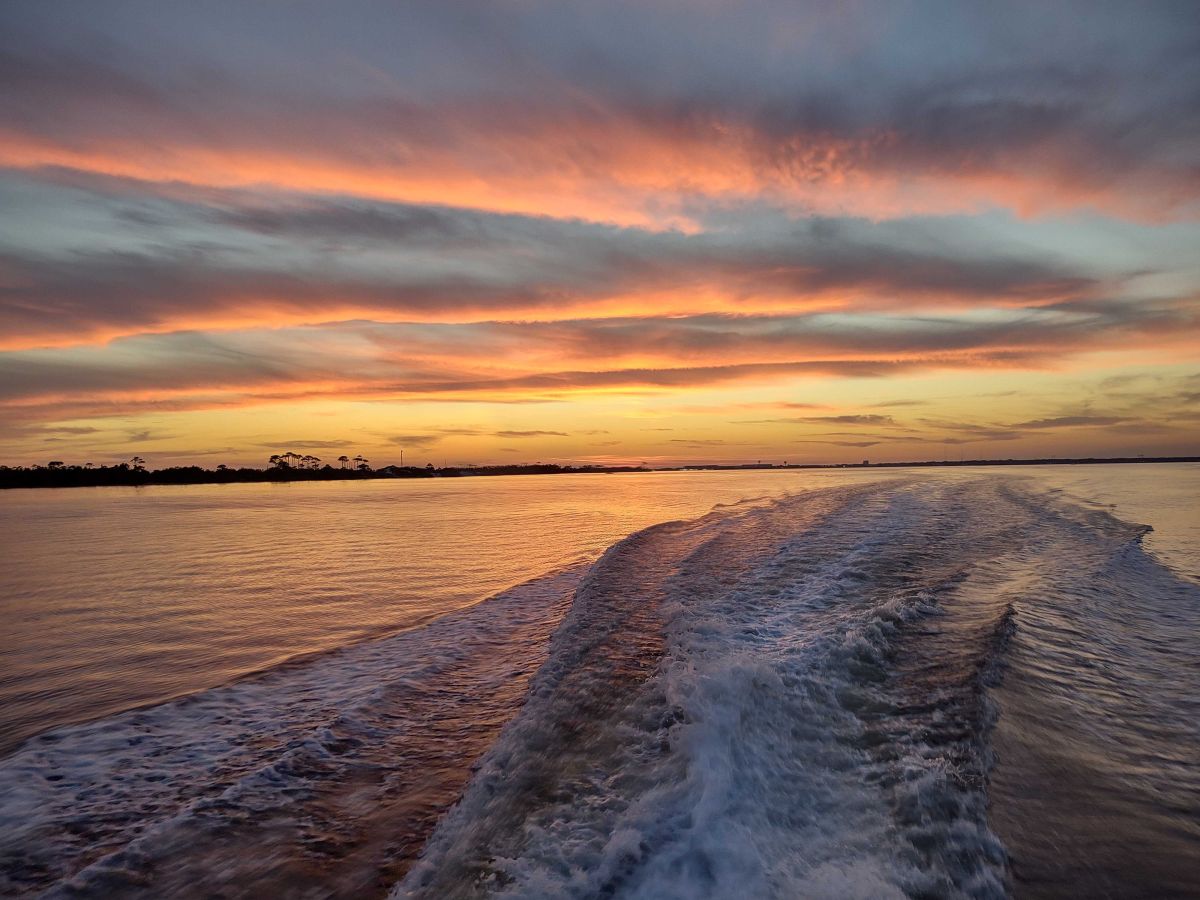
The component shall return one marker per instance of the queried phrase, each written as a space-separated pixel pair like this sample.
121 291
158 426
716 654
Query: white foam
91 802
743 767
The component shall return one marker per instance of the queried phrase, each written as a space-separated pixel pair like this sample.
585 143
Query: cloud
144 436
305 444
537 361
218 260
69 429
419 441
531 203
626 116
842 443
970 432
1071 422
848 420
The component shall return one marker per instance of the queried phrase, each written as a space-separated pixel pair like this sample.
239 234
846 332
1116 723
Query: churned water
939 683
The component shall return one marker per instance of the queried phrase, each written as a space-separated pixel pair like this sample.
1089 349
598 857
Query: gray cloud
733 122
305 444
144 436
434 360
219 254
528 434
420 441
1076 89
843 443
1071 422
70 429
848 420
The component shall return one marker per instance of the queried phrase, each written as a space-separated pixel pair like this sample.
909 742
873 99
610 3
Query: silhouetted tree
344 460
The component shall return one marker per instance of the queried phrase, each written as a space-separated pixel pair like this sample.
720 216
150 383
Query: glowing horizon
533 232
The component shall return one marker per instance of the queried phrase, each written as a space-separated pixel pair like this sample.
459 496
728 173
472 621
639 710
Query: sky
577 232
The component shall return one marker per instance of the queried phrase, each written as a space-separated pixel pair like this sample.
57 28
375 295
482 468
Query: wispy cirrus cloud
1072 422
415 440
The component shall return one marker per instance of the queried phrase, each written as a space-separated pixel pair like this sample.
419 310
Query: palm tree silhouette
343 459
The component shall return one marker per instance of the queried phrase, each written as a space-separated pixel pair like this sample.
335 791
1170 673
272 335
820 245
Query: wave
789 700
925 687
276 781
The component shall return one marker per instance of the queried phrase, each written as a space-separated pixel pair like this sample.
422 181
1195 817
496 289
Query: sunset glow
525 234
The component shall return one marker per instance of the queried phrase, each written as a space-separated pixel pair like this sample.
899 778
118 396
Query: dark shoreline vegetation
57 474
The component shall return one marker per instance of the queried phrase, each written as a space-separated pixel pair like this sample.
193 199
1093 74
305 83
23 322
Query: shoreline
15 478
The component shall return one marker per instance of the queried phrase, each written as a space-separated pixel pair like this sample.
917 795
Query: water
115 597
941 683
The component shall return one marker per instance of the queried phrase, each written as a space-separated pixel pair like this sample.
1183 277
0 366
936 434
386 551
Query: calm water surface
115 597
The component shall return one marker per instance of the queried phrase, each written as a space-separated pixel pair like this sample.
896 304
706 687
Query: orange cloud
607 166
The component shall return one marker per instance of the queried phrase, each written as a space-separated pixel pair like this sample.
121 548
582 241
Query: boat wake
794 700
842 693
318 778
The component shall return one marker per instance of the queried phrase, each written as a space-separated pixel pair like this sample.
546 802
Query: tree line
283 467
